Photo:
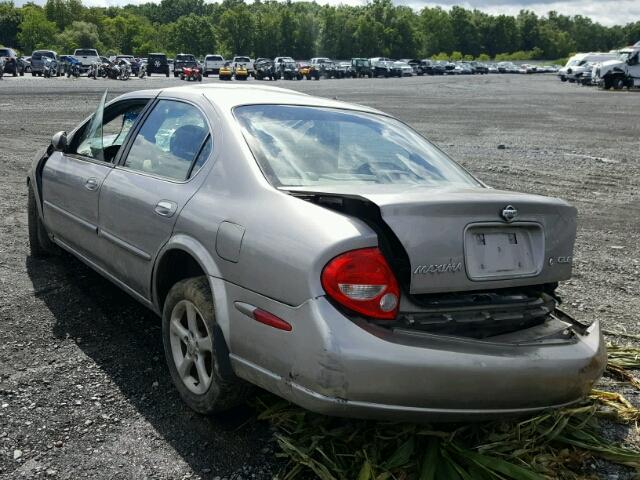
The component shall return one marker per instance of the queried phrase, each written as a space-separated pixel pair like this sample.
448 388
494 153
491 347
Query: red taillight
362 281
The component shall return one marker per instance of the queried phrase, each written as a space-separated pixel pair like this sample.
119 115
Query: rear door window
174 142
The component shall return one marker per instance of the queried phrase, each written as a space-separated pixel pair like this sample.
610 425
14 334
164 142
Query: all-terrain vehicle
225 72
620 73
289 70
183 60
240 71
308 72
265 69
157 63
191 73
361 67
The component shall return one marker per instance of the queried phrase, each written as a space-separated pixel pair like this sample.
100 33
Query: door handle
166 208
91 183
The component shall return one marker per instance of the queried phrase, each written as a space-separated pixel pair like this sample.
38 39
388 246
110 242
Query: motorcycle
96 70
123 71
138 68
73 68
50 67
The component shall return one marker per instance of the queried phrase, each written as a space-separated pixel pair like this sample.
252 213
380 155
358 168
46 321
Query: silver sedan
320 250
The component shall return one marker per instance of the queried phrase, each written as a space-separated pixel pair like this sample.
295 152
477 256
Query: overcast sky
607 12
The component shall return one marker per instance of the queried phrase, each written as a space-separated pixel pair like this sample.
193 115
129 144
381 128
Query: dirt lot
84 391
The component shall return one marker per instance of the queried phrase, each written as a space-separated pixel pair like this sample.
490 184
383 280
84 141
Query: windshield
299 146
186 58
92 53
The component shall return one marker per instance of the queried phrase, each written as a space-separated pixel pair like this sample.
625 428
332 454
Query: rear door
142 197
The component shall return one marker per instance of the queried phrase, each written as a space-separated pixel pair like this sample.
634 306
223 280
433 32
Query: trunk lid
460 239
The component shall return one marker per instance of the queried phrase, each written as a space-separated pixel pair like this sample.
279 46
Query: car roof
230 96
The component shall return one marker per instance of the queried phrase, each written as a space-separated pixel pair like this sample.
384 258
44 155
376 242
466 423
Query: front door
72 180
142 197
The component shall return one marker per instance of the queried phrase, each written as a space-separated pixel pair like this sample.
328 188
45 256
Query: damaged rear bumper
331 365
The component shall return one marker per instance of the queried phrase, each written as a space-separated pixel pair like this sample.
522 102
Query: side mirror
59 141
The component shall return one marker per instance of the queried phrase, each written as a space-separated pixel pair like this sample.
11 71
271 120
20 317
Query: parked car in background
87 57
157 63
24 65
246 61
579 60
400 68
415 65
318 61
212 64
183 60
508 67
479 68
438 67
10 61
323 251
361 67
37 61
381 66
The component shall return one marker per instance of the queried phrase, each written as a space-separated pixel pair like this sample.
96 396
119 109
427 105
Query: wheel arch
181 255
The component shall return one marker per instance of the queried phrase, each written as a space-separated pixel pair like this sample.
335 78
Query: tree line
303 30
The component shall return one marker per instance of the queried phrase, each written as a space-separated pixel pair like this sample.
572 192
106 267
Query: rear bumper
330 365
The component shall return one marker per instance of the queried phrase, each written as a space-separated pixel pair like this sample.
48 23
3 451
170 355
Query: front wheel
196 351
40 245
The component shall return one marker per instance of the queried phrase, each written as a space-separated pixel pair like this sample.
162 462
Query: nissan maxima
323 251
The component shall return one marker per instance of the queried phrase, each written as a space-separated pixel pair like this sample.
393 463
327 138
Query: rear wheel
618 83
40 244
196 351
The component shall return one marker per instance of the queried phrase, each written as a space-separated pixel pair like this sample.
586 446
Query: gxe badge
509 213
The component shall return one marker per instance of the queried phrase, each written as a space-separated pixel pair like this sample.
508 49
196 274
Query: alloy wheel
191 347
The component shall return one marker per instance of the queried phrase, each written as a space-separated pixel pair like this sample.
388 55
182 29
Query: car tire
617 83
40 245
192 337
205 73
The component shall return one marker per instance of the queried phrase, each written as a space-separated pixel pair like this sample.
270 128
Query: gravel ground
84 391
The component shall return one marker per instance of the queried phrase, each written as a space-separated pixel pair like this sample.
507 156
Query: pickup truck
212 64
246 61
87 57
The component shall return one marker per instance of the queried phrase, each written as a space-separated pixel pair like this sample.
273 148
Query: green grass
552 445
